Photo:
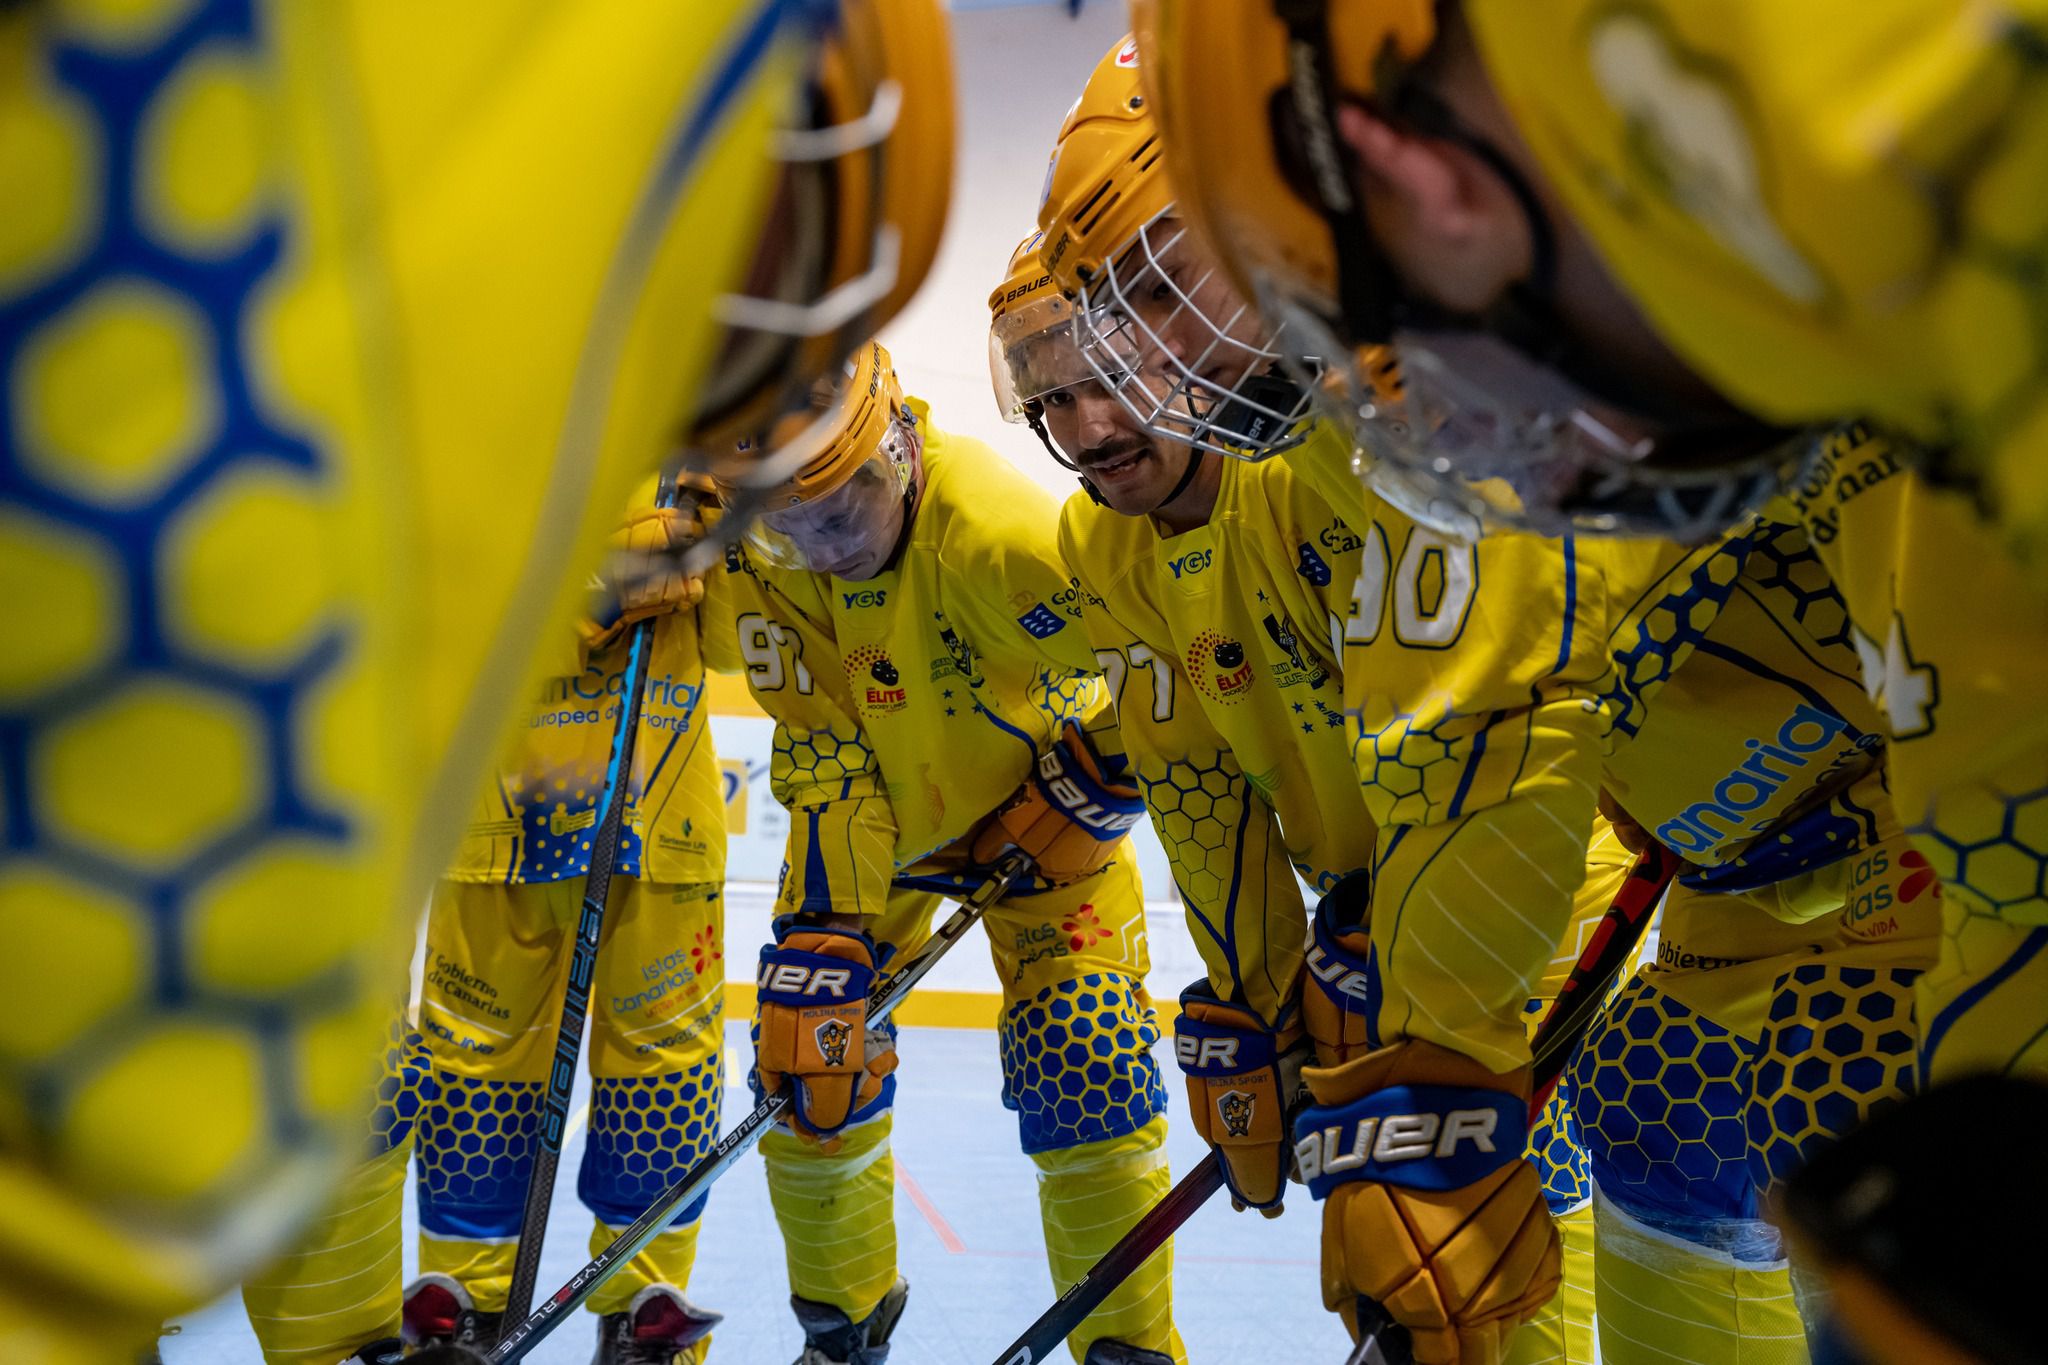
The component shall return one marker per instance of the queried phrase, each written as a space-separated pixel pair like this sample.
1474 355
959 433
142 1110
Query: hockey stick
597 889
1570 1015
882 1000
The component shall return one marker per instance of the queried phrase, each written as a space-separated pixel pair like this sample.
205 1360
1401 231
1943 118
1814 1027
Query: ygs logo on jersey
1219 667
866 597
1191 563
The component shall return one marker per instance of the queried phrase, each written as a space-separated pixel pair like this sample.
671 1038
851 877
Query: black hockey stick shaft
597 888
1557 1038
882 1001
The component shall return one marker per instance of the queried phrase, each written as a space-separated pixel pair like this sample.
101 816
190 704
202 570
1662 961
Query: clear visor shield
1162 329
1463 431
1031 353
850 531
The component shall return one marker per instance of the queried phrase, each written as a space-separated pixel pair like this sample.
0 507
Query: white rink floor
967 1214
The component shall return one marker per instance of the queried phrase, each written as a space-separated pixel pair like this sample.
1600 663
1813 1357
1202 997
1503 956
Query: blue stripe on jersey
1571 603
817 886
2030 948
1472 762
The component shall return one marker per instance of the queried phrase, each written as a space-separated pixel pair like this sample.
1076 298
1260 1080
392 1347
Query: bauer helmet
1159 324
1033 357
854 456
856 218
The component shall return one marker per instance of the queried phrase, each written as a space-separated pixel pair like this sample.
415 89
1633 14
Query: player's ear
1419 184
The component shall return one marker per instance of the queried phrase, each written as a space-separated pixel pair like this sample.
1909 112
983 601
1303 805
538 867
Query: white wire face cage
1465 434
1192 362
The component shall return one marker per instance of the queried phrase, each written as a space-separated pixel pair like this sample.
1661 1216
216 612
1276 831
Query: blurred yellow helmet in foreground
1828 209
856 222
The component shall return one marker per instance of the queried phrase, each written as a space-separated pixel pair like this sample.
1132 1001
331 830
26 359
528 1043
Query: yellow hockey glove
1070 815
1244 1084
813 1027
1430 1211
643 574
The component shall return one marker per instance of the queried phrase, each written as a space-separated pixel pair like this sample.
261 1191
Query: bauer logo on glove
1378 1137
1070 816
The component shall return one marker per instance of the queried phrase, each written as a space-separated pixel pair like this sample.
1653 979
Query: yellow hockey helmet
1160 325
1502 419
850 462
1031 347
1831 208
856 219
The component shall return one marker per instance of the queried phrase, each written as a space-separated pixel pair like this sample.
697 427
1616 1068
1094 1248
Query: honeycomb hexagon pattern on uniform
164 735
1077 1062
1840 1041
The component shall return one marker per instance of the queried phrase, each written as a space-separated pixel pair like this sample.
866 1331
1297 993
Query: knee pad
1077 1063
1661 1094
476 1151
645 1131
1841 1040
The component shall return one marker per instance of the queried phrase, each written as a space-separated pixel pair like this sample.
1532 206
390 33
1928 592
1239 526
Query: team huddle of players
1523 447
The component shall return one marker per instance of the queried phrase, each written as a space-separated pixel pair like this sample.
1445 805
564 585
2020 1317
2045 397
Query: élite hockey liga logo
833 1035
1219 667
876 684
1235 1109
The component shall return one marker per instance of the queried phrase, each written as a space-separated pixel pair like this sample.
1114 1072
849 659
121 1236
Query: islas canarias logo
1219 667
875 682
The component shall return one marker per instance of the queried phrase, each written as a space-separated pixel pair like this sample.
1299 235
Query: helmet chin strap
1187 476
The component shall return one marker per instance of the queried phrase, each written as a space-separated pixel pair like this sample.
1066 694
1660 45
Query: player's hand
1070 814
813 1026
643 574
1430 1209
1244 1084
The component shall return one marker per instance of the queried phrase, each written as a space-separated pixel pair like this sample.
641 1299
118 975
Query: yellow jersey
1220 647
1494 688
536 816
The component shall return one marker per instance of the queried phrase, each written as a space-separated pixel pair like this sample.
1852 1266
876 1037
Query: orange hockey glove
813 1027
1340 993
1430 1211
1069 817
1244 1084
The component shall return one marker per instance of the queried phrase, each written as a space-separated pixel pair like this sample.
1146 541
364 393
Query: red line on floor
947 1237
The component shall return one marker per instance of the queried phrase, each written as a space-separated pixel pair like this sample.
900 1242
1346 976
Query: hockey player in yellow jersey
498 942
1481 721
901 612
326 363
1231 581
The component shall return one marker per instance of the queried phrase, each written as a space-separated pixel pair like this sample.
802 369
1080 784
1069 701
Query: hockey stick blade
1571 1014
888 993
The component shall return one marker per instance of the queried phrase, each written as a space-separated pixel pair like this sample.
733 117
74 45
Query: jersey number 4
1433 582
